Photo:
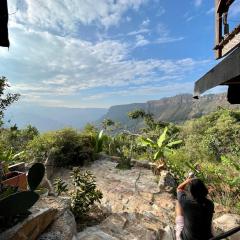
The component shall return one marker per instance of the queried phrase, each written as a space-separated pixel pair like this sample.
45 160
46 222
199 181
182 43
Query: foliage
161 146
17 139
85 193
60 186
100 138
125 161
150 122
106 123
7 158
71 147
6 99
9 205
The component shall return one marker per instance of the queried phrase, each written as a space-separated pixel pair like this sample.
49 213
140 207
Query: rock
141 163
31 227
64 225
125 226
169 233
166 181
63 228
225 223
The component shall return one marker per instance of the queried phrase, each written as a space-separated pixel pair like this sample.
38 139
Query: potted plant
12 178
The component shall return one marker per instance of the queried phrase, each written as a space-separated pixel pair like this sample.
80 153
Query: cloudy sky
98 53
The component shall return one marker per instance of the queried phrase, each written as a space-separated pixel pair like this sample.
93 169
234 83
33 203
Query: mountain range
175 109
172 109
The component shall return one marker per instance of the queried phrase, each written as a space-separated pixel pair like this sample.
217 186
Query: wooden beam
225 73
223 5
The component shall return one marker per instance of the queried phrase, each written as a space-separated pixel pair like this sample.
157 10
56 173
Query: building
227 46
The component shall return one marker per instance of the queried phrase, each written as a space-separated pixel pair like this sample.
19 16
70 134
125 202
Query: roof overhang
227 72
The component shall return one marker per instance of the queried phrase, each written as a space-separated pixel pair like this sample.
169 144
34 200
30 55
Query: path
138 210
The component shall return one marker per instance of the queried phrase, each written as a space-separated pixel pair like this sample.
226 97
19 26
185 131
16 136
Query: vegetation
60 186
71 148
10 210
5 99
85 193
209 146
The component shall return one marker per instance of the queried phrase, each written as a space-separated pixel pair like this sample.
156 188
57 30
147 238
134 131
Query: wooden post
218 30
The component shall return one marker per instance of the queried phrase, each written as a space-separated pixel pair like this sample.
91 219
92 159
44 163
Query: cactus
19 203
35 175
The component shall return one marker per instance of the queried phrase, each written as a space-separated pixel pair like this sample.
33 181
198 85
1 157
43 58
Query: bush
70 147
85 193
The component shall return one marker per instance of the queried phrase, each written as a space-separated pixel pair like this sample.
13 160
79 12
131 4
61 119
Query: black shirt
197 217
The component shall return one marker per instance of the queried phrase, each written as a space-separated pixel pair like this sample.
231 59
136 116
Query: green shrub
70 147
60 186
85 193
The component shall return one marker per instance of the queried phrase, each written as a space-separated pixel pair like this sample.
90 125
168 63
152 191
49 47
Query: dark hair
198 189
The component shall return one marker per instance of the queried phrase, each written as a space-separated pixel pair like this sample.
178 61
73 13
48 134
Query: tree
148 118
6 99
107 123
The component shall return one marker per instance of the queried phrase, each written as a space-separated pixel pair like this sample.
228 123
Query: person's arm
182 186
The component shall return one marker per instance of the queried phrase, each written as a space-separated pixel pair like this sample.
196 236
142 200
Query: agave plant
161 146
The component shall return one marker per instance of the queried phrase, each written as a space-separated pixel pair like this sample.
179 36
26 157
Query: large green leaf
17 155
100 134
171 144
162 138
158 154
147 142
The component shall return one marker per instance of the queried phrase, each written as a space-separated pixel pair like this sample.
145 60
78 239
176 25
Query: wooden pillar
218 30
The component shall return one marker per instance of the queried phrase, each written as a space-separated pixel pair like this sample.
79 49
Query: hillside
172 109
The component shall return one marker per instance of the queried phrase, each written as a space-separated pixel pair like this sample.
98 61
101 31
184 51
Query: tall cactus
19 203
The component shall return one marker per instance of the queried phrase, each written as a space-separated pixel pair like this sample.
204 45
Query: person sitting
194 212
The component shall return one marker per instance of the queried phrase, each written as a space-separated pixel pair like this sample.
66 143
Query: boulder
125 226
169 233
64 225
32 226
63 228
166 181
225 223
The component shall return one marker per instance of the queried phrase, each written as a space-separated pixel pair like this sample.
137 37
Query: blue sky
85 53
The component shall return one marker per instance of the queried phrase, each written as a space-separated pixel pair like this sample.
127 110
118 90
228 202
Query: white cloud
198 3
162 40
210 11
140 31
145 22
141 41
63 66
64 16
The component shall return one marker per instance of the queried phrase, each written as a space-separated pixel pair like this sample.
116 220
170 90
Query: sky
99 53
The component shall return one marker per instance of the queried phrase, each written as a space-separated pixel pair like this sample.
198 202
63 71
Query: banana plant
161 146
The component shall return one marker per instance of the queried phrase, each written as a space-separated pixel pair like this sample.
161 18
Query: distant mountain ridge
52 118
171 109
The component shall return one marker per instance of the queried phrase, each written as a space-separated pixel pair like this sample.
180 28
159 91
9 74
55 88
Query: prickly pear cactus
35 175
19 203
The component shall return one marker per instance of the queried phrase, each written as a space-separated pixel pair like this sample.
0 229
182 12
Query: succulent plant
19 203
